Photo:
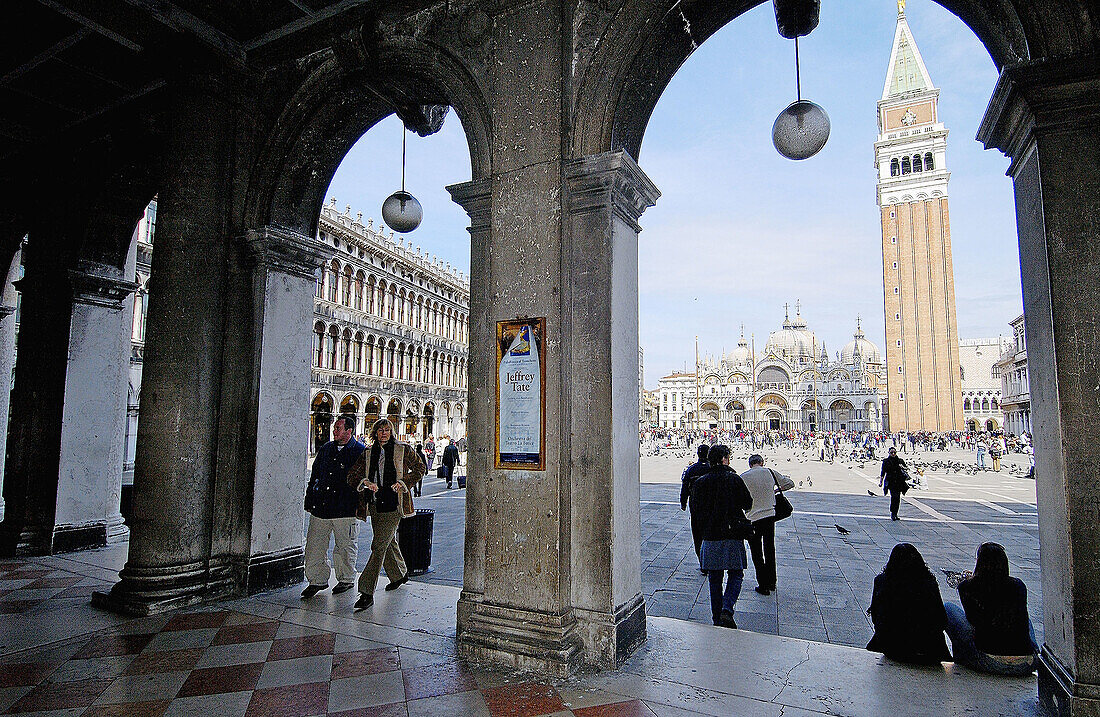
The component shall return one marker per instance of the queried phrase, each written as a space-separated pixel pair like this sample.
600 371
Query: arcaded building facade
390 334
922 339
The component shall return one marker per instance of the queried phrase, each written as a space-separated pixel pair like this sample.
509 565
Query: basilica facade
792 384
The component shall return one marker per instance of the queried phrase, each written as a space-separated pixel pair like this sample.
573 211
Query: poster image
521 424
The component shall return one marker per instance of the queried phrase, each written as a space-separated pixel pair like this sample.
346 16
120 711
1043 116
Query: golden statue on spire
901 7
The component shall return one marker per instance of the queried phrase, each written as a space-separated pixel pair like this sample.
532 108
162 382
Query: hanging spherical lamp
801 130
401 211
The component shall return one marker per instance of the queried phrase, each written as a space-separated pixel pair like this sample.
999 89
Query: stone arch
336 105
639 48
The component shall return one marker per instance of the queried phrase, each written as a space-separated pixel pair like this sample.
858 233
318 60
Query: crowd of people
847 445
989 629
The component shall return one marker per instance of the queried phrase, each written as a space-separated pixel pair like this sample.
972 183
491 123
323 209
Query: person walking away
991 632
907 611
722 498
691 474
331 505
450 459
762 483
417 488
382 476
894 480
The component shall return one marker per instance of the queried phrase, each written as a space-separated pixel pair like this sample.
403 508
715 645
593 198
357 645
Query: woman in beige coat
383 476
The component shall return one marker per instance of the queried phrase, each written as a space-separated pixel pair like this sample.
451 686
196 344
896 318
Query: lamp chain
403 131
797 72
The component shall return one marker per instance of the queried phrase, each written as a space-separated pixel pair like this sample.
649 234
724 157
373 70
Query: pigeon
954 577
870 492
799 484
841 529
809 481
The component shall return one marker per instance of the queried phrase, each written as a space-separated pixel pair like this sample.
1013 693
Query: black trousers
762 546
696 531
895 501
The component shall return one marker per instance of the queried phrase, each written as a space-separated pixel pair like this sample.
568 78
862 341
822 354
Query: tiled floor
274 654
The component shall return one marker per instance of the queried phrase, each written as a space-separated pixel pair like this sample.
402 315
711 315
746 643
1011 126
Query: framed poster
521 398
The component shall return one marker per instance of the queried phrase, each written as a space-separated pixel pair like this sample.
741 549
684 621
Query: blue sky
740 230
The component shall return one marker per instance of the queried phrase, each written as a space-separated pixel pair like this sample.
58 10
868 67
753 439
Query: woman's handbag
783 507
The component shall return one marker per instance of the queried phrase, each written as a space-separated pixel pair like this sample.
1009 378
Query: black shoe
312 590
894 517
398 583
341 588
759 588
725 619
364 602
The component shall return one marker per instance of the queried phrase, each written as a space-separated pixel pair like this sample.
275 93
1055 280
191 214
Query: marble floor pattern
274 654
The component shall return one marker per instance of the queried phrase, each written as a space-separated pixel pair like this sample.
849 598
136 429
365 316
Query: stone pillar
93 417
605 196
283 283
1044 116
8 298
37 399
171 561
552 574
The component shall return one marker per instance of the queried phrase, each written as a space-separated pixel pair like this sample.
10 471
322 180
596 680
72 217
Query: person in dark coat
991 631
450 460
720 499
331 505
894 480
691 474
907 610
416 489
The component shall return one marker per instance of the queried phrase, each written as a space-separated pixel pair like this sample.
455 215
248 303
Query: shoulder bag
783 507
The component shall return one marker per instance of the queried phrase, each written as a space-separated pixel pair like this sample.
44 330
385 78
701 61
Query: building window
891 213
899 343
894 240
929 164
897 317
899 369
906 166
918 165
901 396
895 263
895 168
895 289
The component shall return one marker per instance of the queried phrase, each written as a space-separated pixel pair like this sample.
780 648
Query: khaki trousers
344 554
384 550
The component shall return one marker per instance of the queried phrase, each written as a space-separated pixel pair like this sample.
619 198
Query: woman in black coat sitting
720 500
893 478
907 610
992 632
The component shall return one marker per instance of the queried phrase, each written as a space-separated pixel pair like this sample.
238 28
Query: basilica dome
794 341
859 344
740 356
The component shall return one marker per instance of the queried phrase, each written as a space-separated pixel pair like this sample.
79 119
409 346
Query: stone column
605 196
1044 116
93 417
37 399
283 283
552 575
8 298
171 561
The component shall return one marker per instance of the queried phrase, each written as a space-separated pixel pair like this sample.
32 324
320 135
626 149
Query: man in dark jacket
687 481
331 504
450 460
894 480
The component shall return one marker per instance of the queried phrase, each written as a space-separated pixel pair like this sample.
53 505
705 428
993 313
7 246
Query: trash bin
414 535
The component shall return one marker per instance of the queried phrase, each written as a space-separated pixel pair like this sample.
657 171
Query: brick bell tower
922 338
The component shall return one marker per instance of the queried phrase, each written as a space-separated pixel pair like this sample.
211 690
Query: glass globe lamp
402 212
801 130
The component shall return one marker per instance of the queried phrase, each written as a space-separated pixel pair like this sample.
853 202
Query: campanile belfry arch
250 106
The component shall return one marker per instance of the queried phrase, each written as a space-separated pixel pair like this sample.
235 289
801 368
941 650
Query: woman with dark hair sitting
992 632
907 610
